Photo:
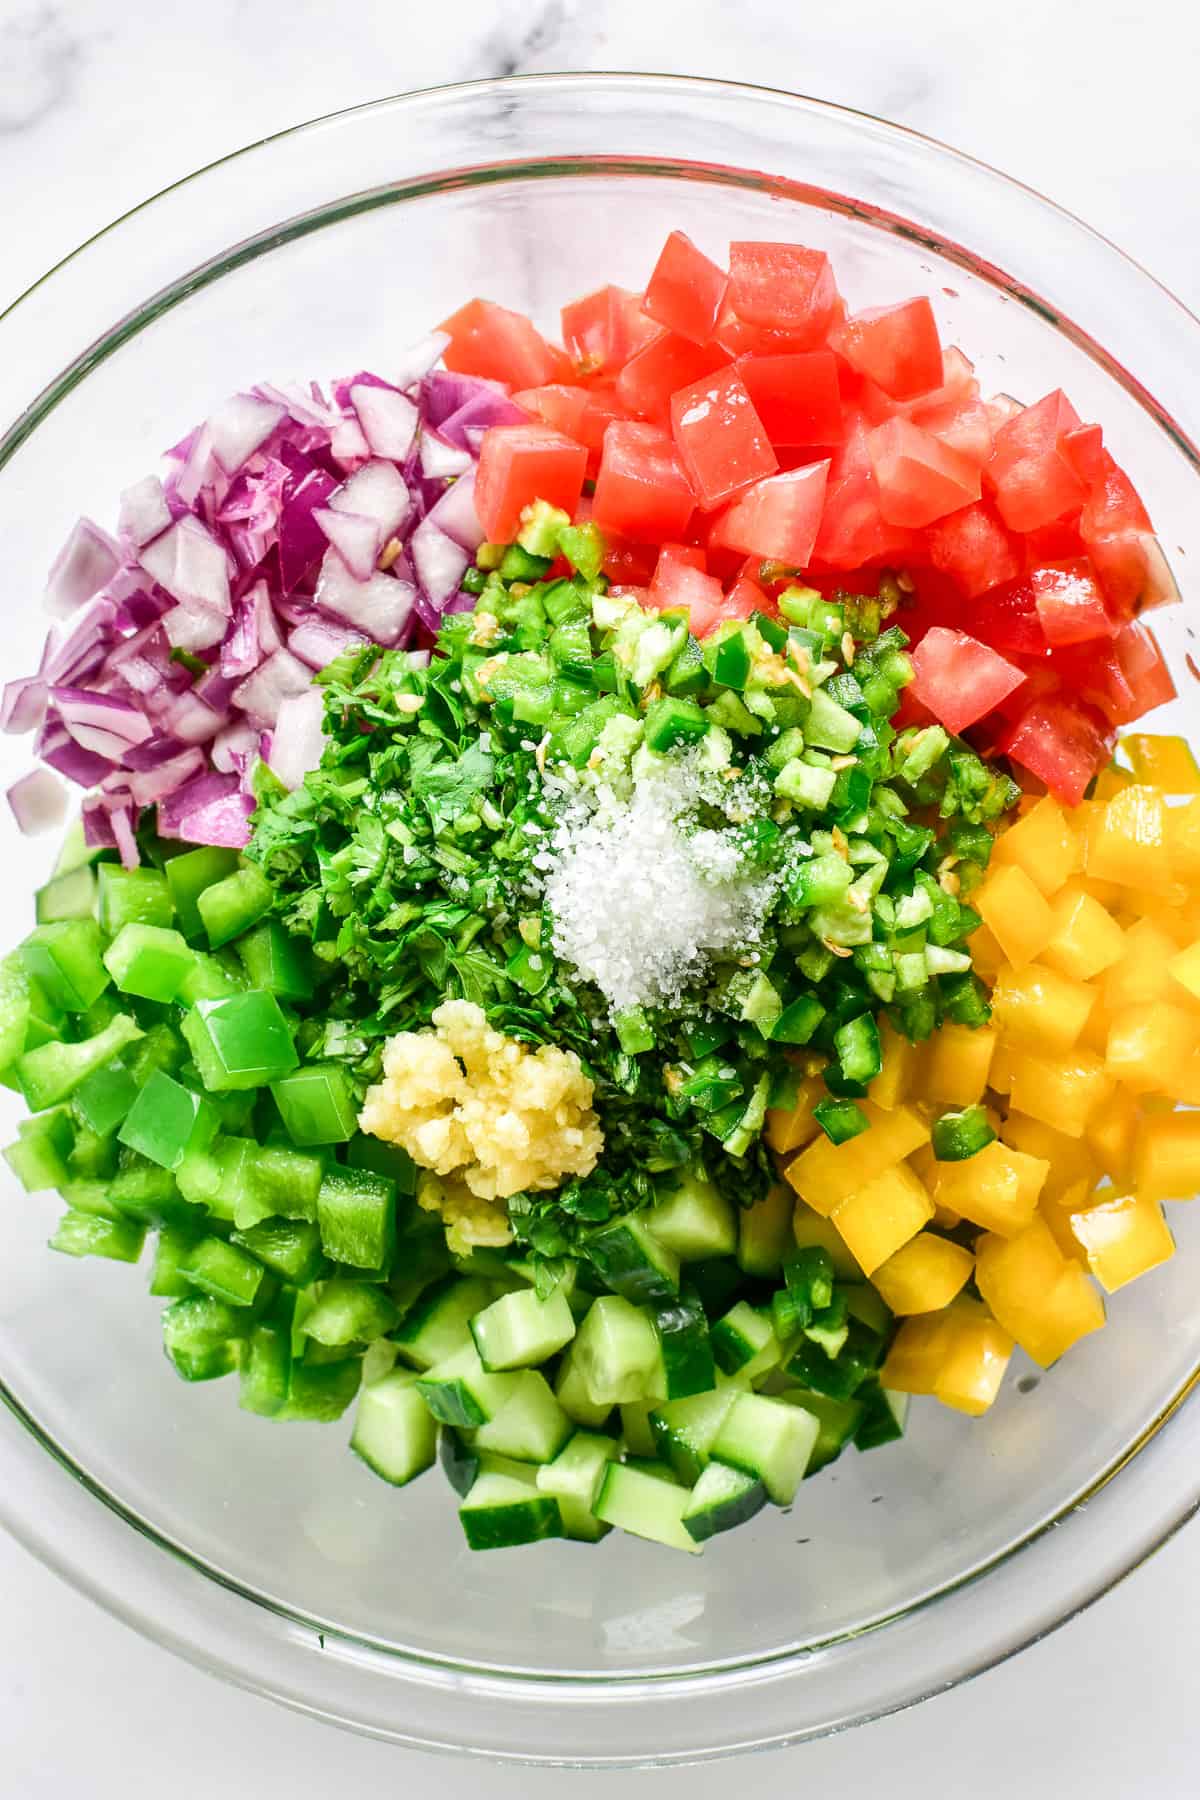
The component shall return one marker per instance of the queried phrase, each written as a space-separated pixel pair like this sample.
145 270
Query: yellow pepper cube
1016 912
918 1353
1071 1161
1185 1087
1144 972
975 1362
1127 840
1044 844
825 1174
1040 1008
1064 1091
812 1231
788 1131
1163 762
1045 1301
894 1081
997 1188
924 1275
1185 969
1166 1162
1087 939
1111 780
1111 1134
986 953
1150 1047
1122 1238
956 1064
1058 1214
1000 1073
883 1214
1183 839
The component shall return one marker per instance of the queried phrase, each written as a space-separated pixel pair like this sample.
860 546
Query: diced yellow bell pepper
986 953
955 1064
1087 939
811 1231
1163 762
1111 780
924 1275
1064 1091
900 1058
1122 1238
1000 1073
882 1215
1111 1134
1150 1047
1044 1300
1185 1087
1144 971
1094 1036
1185 969
975 1362
825 1174
1166 1161
997 1189
1127 840
788 1131
1070 1160
1040 1008
1057 1215
1044 844
918 1353
1015 912
1107 893
1183 838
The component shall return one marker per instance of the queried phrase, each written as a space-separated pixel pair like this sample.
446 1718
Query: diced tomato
739 338
973 547
783 287
1116 531
796 397
686 586
920 479
959 679
1126 677
660 368
602 330
1063 742
777 518
1070 604
854 534
1001 408
720 437
642 491
1007 618
629 565
519 464
958 386
1113 503
896 347
1144 667
1059 542
671 559
1031 476
581 413
746 597
1083 447
486 339
962 425
686 291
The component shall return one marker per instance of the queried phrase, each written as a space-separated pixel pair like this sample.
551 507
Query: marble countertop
102 104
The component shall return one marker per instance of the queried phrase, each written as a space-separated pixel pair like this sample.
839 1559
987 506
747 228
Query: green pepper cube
133 897
356 1210
188 875
65 958
68 896
201 1336
276 962
291 1247
211 978
104 1099
266 1368
87 1234
167 1122
53 1071
172 1249
93 1154
392 1160
15 1009
241 1042
38 1159
148 960
232 906
224 1271
672 721
281 1182
316 1104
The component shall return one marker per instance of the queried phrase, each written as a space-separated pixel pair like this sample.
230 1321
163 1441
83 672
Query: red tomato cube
778 518
784 287
920 478
897 347
1007 619
796 397
602 330
659 369
1031 476
1063 742
486 339
686 291
685 586
581 413
671 559
853 531
1125 678
962 425
959 679
519 464
720 437
973 547
1083 448
642 491
1069 603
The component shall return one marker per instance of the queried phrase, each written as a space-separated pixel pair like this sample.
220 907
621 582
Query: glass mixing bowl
271 1556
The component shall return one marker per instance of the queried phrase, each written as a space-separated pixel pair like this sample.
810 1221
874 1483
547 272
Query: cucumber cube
631 1261
645 1505
394 1432
722 1498
505 1507
574 1478
530 1425
617 1352
149 961
768 1439
439 1325
693 1220
241 1042
519 1331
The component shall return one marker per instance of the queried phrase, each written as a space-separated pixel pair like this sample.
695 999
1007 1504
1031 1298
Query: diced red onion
240 427
194 627
102 723
241 651
198 469
38 801
153 785
80 644
190 564
23 705
455 514
298 738
388 418
144 511
440 563
304 406
210 810
413 364
282 674
57 747
232 746
187 718
376 491
357 539
153 753
87 560
318 641
302 543
348 444
124 833
484 408
380 606
440 460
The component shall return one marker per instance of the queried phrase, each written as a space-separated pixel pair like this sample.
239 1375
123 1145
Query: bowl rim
37 1536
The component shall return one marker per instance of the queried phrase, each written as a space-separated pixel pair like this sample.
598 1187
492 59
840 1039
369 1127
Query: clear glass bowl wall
294 1570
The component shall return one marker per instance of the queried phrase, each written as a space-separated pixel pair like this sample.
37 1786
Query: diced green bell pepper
209 978
149 961
241 1042
291 1247
223 1270
53 1071
957 1135
202 1336
350 1312
276 962
171 1250
168 1121
840 1120
188 876
392 1160
356 1211
38 1158
316 1104
66 959
104 1099
68 896
133 897
266 1367
86 1234
232 906
321 1392
672 721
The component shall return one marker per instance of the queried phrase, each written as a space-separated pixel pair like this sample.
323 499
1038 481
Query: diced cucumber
866 1303
439 1325
637 1434
459 1391
617 1351
505 1507
530 1425
459 1459
769 1439
884 1416
694 1220
687 1354
394 1433
765 1232
574 1478
686 1430
722 1498
837 1422
518 1330
744 1341
350 1312
631 1261
643 1504
572 1394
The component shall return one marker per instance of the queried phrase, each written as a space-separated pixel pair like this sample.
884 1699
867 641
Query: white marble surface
102 101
